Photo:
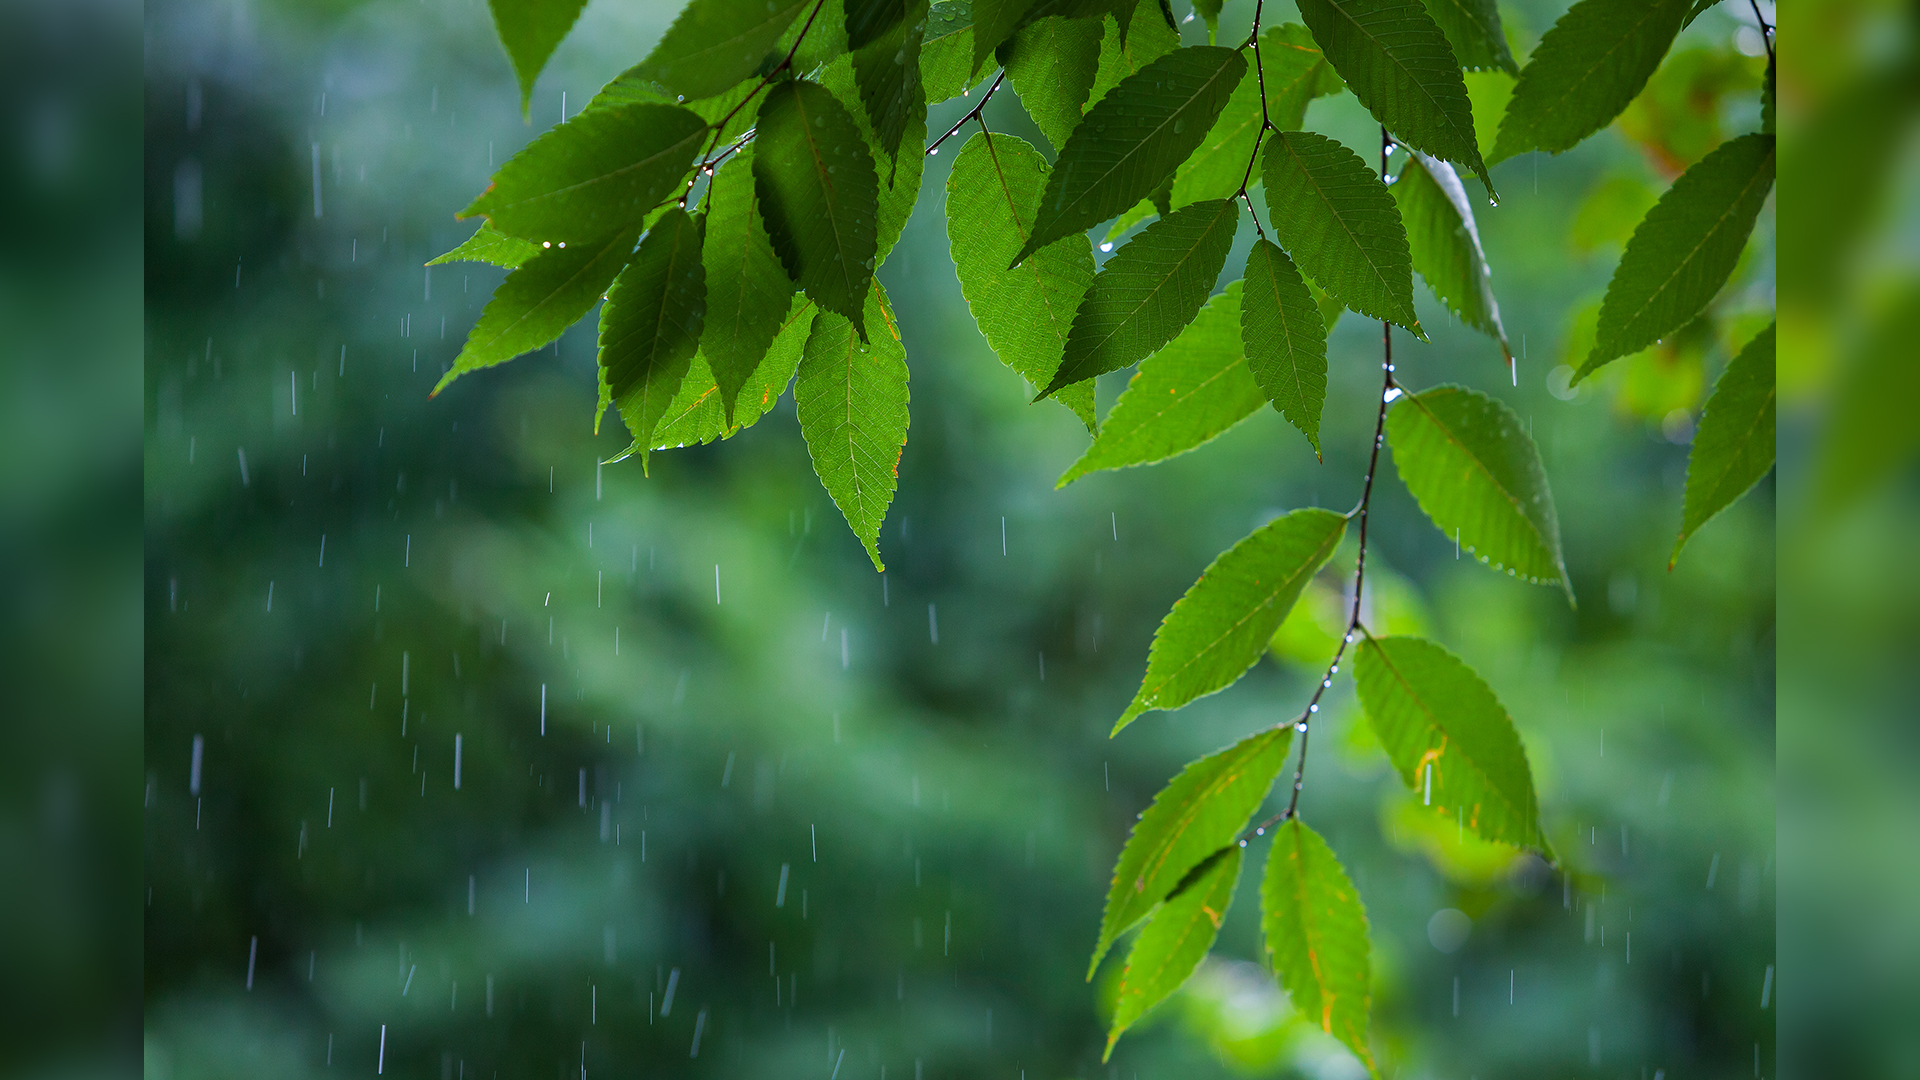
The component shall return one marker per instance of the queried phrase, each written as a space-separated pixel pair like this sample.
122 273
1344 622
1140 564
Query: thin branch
708 160
1766 30
1266 122
972 114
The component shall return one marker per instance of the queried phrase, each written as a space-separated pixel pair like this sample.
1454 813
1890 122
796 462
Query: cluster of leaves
804 120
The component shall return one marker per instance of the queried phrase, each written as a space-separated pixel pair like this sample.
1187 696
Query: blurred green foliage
872 817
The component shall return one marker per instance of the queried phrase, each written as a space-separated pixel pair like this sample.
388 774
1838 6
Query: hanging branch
972 114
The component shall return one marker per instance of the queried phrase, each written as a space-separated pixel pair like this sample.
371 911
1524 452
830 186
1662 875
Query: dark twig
1766 30
972 114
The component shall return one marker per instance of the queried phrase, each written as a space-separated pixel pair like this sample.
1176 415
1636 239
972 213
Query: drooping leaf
824 42
650 325
1444 243
1123 54
1051 65
530 30
1733 446
814 179
1474 32
1338 221
852 400
1684 250
1171 946
993 194
868 21
729 106
1221 626
1147 291
1131 141
886 68
1316 934
747 289
714 44
1470 464
1699 8
537 302
1285 339
489 245
994 21
1197 815
594 175
898 174
1397 62
946 53
1585 70
695 417
1181 398
1296 73
1450 738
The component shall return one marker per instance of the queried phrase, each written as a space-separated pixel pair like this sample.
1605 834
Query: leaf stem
1766 30
972 114
1266 122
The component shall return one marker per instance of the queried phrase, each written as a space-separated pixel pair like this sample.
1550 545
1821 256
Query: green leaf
852 400
1450 738
898 174
1285 338
1469 463
1132 140
1209 12
1182 397
747 289
1123 54
1316 933
695 417
488 245
1330 309
1147 291
1867 437
1473 31
1444 242
593 175
536 303
531 30
946 53
714 44
1733 446
887 71
867 21
1585 70
1219 629
993 194
627 88
1684 250
1397 61
994 21
1338 221
814 179
650 325
1170 948
1051 65
1196 816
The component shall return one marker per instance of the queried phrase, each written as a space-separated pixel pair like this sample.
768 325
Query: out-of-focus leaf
537 302
1444 242
1474 32
1867 438
747 289
1147 291
852 400
1339 222
650 326
1450 738
1733 446
1285 339
1676 119
1172 945
594 175
1221 626
714 44
530 30
1585 70
1608 213
1051 65
1397 62
1684 250
1197 815
1316 933
489 245
815 183
695 417
1469 463
886 68
1025 312
1132 140
1181 398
